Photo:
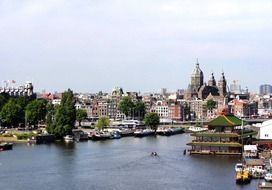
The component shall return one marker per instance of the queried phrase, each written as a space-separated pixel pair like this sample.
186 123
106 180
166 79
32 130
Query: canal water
116 165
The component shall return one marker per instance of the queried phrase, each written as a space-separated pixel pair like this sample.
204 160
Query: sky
142 45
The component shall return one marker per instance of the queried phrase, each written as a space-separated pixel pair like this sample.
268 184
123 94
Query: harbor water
121 164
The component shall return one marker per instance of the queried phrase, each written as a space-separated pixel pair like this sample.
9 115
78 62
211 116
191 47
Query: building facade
265 89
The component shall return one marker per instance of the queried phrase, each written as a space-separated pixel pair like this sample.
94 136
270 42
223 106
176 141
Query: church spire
222 85
212 81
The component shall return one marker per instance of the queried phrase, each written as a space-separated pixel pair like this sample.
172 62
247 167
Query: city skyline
140 46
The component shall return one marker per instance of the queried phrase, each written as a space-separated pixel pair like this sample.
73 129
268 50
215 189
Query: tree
3 100
186 112
126 105
102 123
152 120
22 101
35 111
211 105
50 114
11 113
64 117
139 109
81 115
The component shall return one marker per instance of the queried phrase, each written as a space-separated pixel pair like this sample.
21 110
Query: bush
24 136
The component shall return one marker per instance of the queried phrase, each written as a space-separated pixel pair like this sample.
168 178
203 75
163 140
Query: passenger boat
6 146
68 138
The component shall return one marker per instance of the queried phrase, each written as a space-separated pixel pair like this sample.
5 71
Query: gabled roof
225 121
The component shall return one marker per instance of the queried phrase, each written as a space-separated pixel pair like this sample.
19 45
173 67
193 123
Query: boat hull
6 146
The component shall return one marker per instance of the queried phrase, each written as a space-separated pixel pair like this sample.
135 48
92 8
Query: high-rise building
235 87
265 89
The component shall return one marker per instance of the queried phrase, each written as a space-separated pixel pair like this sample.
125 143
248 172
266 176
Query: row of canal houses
224 136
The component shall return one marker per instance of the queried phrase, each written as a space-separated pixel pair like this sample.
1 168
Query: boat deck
214 153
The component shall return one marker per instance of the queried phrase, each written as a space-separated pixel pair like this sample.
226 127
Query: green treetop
152 120
126 105
211 105
80 115
35 111
102 123
11 113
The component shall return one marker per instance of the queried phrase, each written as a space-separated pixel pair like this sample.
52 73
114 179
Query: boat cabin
250 151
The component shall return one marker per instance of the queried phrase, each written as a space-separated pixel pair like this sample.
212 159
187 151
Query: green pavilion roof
225 121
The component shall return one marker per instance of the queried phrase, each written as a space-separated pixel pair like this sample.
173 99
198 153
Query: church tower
196 78
212 81
222 85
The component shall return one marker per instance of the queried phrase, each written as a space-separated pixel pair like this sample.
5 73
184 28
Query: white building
161 108
265 130
56 101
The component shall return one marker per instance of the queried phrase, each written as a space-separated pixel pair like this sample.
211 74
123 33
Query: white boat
197 129
238 167
68 138
268 177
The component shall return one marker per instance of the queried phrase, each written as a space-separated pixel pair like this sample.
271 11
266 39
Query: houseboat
144 132
100 135
42 138
221 138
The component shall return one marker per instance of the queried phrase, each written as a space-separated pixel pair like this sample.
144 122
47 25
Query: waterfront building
85 106
175 111
198 108
161 108
221 138
264 137
102 109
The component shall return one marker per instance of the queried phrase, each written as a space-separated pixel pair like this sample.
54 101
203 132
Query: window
266 135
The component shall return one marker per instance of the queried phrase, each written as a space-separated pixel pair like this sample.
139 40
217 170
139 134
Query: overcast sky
140 45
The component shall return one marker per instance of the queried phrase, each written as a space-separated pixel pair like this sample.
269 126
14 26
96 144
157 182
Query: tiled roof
225 121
